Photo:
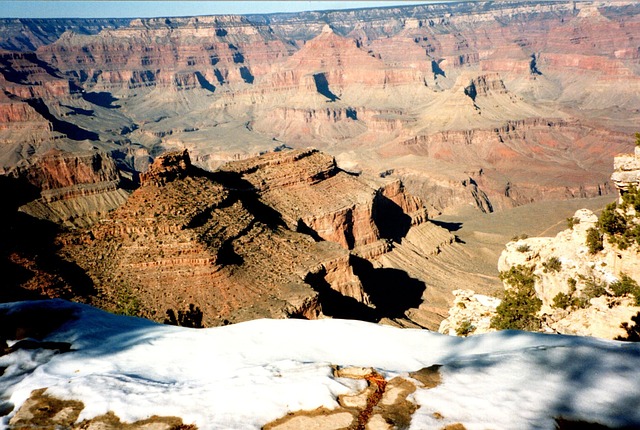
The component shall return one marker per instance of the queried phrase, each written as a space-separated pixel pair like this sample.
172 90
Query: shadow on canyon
72 131
390 218
392 292
103 99
240 191
29 263
450 226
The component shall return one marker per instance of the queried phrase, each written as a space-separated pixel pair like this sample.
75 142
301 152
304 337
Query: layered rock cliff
75 188
472 84
286 234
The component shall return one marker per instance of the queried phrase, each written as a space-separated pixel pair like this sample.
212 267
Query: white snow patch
245 375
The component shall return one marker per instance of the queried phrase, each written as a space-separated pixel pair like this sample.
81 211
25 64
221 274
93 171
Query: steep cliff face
29 34
75 189
223 250
179 53
626 171
57 170
312 194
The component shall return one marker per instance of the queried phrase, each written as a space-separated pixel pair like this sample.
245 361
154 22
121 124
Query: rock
626 171
569 246
321 419
253 229
76 189
43 411
167 167
471 311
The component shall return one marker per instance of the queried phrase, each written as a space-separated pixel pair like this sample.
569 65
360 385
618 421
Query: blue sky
146 9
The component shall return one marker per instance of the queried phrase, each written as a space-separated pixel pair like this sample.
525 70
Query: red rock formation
16 114
59 170
25 76
167 168
183 238
316 195
245 241
177 52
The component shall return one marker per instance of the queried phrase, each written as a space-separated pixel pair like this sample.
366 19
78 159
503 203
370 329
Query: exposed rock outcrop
626 171
312 194
585 287
256 238
75 189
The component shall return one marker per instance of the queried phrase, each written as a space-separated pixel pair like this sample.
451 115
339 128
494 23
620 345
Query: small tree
631 198
594 241
561 301
572 221
553 264
594 288
465 328
520 305
611 221
626 286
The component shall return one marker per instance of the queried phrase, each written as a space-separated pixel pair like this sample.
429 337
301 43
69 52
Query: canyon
459 100
295 165
584 277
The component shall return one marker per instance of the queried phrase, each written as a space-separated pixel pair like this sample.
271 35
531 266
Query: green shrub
570 300
553 264
465 328
611 221
622 230
594 241
519 237
561 301
523 248
631 198
127 303
572 221
593 288
520 305
626 285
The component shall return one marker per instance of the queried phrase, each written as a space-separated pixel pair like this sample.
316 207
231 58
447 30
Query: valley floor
485 235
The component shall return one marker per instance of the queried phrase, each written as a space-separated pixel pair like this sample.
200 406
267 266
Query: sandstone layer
461 101
287 234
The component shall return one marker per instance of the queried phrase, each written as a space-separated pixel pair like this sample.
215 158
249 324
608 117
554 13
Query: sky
149 9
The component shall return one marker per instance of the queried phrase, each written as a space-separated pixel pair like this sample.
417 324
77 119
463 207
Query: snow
245 375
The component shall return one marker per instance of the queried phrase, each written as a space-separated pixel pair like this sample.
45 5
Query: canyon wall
440 90
286 234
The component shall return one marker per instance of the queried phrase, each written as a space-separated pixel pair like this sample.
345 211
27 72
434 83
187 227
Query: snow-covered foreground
245 375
